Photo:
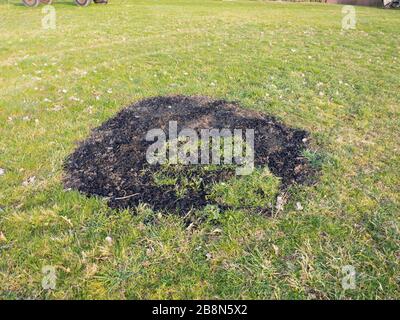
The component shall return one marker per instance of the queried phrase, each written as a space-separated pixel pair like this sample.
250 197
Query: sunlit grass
290 60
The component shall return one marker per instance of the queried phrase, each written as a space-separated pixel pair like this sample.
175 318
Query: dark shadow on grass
68 3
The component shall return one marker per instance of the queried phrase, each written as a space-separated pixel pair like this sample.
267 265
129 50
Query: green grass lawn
290 60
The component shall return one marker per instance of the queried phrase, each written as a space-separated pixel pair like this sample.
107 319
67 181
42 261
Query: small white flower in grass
299 207
74 99
279 203
2 171
56 108
30 180
109 90
2 237
109 240
208 256
89 109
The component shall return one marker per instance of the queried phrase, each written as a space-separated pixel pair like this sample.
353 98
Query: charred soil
112 161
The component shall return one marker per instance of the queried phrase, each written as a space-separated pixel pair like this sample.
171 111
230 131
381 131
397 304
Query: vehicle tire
83 3
31 3
47 2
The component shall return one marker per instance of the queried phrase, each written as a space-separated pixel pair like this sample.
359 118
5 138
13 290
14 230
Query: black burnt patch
112 162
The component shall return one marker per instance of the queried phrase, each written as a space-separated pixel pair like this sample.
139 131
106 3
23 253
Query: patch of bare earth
112 161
